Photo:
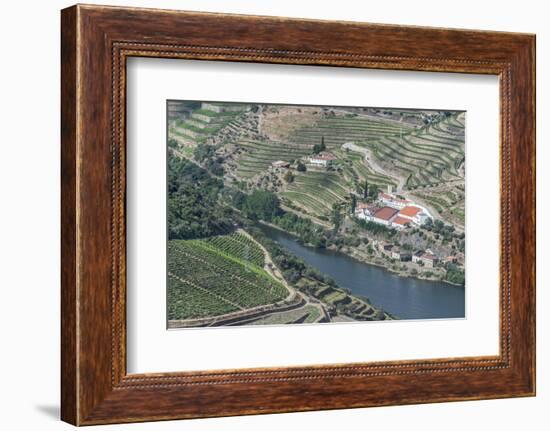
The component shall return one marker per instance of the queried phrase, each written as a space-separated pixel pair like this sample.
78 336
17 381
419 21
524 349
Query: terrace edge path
375 166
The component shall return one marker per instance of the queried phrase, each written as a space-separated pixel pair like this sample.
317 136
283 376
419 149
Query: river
406 298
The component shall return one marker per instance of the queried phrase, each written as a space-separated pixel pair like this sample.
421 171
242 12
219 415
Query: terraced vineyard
237 245
258 155
357 171
204 123
316 192
307 314
449 202
422 157
214 276
339 130
337 161
425 157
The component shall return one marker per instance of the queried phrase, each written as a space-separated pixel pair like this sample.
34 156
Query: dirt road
371 161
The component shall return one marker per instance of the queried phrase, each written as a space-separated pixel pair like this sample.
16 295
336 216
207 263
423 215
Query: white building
415 214
393 201
365 211
386 216
427 258
408 209
323 159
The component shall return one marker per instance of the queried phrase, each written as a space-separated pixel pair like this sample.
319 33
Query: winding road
369 160
401 186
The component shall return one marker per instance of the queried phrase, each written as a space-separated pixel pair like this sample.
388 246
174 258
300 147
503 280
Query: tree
289 177
317 148
301 167
366 189
203 152
353 203
262 205
428 224
238 199
193 209
373 191
455 275
336 217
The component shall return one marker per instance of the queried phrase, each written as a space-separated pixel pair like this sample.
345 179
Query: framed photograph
264 215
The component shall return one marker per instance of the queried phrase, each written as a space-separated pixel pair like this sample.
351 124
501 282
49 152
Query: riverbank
405 297
365 258
319 288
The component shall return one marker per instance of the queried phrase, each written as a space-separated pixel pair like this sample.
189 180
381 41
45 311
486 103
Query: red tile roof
401 221
385 213
410 211
324 156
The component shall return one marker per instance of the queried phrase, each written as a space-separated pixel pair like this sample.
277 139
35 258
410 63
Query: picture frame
96 42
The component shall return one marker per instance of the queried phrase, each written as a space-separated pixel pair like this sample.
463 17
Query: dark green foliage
238 199
336 217
301 167
261 205
289 177
373 227
353 203
203 152
441 229
192 202
352 241
206 155
317 148
455 275
304 228
373 191
292 267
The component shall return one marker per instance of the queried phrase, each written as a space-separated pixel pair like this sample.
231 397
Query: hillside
223 271
420 155
382 186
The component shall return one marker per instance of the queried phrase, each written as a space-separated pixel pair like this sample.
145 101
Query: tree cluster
206 155
193 209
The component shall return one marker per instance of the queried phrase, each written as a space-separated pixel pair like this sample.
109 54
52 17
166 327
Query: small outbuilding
280 164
